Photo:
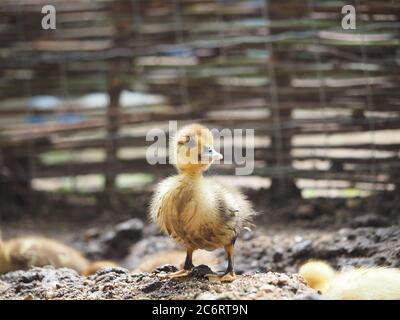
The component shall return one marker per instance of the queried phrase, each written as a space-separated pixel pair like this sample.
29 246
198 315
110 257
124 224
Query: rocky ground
286 251
256 256
118 283
344 233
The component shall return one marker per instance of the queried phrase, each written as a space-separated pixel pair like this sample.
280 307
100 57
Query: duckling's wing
232 205
157 200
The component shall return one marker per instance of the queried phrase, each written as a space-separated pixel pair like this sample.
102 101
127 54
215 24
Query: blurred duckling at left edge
199 212
33 251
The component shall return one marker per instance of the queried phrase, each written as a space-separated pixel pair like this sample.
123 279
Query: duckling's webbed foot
187 268
176 275
229 275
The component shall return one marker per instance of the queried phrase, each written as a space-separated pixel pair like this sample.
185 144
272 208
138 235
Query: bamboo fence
285 68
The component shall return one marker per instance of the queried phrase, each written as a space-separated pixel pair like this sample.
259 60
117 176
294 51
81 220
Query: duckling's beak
211 154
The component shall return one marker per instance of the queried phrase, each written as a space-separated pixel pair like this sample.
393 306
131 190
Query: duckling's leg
229 275
187 267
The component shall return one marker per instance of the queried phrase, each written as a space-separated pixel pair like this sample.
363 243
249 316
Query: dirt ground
343 232
118 283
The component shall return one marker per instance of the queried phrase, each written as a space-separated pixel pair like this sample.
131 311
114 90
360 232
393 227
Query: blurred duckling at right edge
23 253
363 283
199 212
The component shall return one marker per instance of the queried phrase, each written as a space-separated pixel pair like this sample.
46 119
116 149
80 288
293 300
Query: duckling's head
317 273
194 151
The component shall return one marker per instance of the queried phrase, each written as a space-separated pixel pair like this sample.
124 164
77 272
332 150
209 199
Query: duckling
365 283
25 252
199 212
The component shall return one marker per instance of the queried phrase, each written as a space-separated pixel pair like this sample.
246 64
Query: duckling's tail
93 267
365 283
317 273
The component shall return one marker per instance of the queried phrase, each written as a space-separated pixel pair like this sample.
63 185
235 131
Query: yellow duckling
199 212
365 283
26 252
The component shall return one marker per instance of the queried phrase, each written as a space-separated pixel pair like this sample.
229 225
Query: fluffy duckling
365 283
199 212
26 252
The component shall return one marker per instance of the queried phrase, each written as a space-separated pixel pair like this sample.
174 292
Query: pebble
166 268
201 271
152 286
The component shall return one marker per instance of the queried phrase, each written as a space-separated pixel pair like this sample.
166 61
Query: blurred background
76 104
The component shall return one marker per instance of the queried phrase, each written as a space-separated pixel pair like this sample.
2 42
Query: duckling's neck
191 175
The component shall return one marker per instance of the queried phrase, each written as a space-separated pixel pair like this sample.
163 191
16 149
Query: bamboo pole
116 84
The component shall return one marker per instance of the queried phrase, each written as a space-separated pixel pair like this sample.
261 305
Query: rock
166 268
140 276
108 275
370 220
152 286
108 270
277 256
30 277
282 280
302 249
131 229
123 235
114 243
201 271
